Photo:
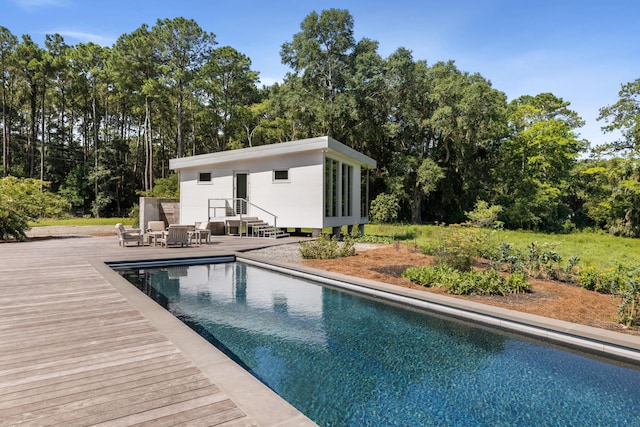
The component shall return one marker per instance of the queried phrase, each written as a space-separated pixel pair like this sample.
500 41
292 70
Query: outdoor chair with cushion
201 232
175 235
154 231
129 235
153 226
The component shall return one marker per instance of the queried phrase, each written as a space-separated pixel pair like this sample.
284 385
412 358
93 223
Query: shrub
458 247
536 260
384 209
517 283
324 247
134 215
12 224
327 247
371 238
429 276
607 281
471 282
24 200
484 215
629 308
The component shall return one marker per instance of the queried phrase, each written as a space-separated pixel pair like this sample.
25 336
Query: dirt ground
550 299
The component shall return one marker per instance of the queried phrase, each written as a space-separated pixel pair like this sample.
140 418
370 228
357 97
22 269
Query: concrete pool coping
598 341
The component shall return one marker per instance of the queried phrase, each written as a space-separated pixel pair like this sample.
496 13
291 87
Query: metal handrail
230 204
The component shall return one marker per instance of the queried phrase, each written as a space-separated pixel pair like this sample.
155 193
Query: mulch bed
558 300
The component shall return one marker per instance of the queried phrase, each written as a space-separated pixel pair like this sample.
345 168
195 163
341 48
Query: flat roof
278 149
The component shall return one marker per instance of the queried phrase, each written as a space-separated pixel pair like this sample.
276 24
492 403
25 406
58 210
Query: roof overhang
284 148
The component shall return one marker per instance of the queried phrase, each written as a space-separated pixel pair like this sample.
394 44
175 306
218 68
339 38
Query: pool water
348 360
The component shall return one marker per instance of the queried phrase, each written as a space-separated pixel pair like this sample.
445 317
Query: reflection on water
343 359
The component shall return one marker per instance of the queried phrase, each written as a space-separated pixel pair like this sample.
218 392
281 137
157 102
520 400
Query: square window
281 175
204 176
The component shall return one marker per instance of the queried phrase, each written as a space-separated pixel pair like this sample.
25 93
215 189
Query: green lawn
80 221
596 249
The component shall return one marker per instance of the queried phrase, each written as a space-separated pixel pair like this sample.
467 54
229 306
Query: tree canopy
100 123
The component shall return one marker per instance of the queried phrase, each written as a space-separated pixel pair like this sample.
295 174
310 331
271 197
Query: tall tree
537 160
624 116
407 90
8 43
90 62
608 189
451 117
320 55
228 84
464 128
135 67
183 48
61 155
28 56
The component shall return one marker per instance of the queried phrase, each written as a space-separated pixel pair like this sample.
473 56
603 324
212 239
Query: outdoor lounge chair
129 235
153 226
201 232
175 235
154 231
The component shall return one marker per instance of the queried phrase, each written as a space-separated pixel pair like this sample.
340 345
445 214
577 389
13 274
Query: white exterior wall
194 196
298 202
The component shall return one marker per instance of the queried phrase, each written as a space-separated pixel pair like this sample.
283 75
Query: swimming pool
345 359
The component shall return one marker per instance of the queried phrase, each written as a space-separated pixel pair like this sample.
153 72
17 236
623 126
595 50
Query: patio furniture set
157 233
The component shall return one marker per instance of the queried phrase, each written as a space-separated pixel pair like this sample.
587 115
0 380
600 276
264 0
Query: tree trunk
179 113
5 128
94 109
416 205
42 134
148 141
33 101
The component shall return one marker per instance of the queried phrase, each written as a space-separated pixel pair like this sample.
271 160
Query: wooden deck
76 351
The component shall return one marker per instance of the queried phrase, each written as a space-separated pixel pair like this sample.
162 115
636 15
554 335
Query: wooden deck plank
75 351
131 371
113 360
171 407
51 354
84 331
63 399
89 412
93 383
210 415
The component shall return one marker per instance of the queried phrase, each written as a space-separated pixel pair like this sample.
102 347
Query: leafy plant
384 208
458 247
326 247
484 215
24 200
606 281
536 261
370 238
134 215
472 282
167 188
629 308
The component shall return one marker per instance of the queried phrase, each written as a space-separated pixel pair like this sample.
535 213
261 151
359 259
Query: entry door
241 192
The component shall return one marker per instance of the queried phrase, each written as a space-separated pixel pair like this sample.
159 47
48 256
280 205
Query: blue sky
579 50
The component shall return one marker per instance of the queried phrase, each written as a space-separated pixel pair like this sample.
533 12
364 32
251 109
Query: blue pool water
347 360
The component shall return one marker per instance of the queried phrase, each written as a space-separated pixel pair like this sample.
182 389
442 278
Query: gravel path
291 252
